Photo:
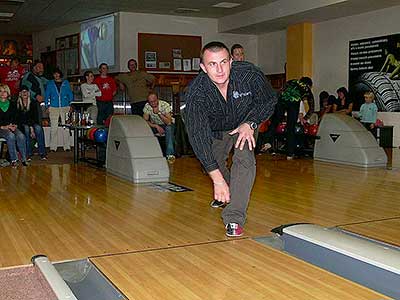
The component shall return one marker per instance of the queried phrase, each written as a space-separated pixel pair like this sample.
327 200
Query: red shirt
12 78
107 87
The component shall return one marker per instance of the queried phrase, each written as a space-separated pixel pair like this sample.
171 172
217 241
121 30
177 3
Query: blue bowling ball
100 135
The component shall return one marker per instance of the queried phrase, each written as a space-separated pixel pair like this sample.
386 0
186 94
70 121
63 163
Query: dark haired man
294 92
138 84
36 83
224 105
237 52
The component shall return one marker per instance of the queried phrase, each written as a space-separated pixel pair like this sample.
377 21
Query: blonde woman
8 127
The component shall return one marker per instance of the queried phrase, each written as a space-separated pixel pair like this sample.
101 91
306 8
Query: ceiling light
186 10
6 14
226 4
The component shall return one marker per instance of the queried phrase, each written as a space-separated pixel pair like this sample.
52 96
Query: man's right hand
221 188
221 192
39 98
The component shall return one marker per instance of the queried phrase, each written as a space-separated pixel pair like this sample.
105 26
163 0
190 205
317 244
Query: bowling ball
100 135
299 129
313 130
264 126
92 131
281 128
88 133
45 123
379 123
306 128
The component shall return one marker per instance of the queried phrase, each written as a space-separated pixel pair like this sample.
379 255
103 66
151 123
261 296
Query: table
384 135
79 132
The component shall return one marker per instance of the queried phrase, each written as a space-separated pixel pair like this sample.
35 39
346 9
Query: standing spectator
157 113
108 88
89 93
139 84
58 99
294 92
368 112
36 84
12 75
29 124
9 129
343 104
237 52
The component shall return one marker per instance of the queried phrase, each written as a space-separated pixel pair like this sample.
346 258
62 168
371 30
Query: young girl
57 100
368 112
90 91
8 127
29 123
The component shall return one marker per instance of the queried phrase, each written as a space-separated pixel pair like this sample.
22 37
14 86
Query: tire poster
374 65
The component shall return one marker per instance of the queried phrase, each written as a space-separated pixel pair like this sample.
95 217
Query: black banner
374 65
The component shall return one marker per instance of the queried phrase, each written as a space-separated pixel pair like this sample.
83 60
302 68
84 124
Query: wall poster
374 65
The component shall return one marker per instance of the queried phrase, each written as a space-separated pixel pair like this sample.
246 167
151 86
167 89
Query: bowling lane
240 269
387 231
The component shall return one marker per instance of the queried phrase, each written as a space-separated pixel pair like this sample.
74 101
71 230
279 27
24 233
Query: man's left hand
245 134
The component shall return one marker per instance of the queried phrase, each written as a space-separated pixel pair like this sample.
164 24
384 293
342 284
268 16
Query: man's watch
253 125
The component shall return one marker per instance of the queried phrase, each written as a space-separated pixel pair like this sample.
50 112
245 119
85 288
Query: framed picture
164 65
196 63
177 53
187 65
177 64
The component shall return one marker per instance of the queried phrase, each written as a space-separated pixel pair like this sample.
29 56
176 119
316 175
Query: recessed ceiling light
6 14
183 10
227 4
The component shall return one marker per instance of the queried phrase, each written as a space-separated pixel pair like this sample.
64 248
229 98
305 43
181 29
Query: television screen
97 42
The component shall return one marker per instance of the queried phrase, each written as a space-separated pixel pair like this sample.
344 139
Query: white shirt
90 92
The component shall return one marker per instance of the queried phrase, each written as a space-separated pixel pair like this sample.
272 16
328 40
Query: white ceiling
37 15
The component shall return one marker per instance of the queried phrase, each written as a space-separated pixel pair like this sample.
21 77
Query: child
368 112
8 127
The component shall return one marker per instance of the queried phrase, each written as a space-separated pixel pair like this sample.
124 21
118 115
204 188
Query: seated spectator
90 91
343 104
368 112
8 127
324 105
158 115
29 123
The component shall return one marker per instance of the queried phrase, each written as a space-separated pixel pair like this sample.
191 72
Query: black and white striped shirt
250 98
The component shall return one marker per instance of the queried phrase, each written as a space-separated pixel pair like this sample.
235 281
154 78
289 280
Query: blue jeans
39 133
14 139
169 138
104 110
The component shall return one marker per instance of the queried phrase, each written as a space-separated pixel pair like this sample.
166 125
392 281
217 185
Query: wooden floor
75 211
